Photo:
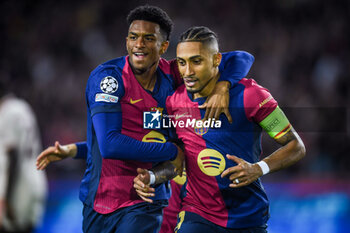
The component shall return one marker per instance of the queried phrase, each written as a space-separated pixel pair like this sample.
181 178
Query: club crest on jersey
154 109
201 130
109 85
211 162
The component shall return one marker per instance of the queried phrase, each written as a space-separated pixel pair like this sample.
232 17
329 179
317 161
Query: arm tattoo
164 172
285 139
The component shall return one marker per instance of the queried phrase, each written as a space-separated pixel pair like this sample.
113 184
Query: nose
140 42
188 71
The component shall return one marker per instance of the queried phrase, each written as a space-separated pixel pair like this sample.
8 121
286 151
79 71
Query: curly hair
153 14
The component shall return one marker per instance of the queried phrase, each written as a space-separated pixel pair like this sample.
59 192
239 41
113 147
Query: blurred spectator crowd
301 48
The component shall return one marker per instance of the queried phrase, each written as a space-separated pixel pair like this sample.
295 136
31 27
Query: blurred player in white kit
22 188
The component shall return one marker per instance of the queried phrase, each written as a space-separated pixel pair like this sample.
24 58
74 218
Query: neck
147 79
209 87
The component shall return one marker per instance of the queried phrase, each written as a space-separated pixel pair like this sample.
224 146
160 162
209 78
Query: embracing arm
157 175
114 145
233 67
164 172
143 181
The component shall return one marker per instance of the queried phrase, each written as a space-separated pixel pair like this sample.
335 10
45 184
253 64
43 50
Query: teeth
139 54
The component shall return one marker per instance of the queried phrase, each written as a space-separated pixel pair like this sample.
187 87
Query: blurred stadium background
302 56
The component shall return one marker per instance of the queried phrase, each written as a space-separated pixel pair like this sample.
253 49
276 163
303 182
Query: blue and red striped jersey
116 103
207 194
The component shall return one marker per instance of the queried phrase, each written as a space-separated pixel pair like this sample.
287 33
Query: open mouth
140 55
190 82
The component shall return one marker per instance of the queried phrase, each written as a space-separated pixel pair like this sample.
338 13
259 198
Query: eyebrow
191 58
196 56
148 34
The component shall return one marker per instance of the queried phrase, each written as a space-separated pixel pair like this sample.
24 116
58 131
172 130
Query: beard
198 89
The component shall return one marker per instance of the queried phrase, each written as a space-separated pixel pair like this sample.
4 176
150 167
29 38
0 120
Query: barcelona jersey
206 146
114 94
113 88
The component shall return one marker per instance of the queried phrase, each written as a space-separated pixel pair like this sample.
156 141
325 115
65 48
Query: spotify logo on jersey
154 136
211 162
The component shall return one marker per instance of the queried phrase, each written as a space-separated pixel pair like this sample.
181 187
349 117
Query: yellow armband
276 124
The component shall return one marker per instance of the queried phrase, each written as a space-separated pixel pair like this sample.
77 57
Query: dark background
301 48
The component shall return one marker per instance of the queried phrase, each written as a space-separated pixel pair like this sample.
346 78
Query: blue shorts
189 222
140 218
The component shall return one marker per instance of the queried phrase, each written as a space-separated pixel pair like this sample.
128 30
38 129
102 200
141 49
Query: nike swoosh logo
135 101
179 116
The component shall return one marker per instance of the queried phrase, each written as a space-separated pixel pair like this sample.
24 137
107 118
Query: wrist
152 177
264 167
70 150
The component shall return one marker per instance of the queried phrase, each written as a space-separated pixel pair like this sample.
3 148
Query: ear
217 59
163 47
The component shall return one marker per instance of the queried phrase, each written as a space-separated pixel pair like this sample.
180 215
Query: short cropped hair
199 34
155 15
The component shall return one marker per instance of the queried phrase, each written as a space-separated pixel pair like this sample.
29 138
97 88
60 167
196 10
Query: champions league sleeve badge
109 85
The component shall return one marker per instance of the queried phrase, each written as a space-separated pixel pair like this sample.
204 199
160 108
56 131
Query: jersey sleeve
127 141
104 90
235 65
81 150
263 109
258 102
114 145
